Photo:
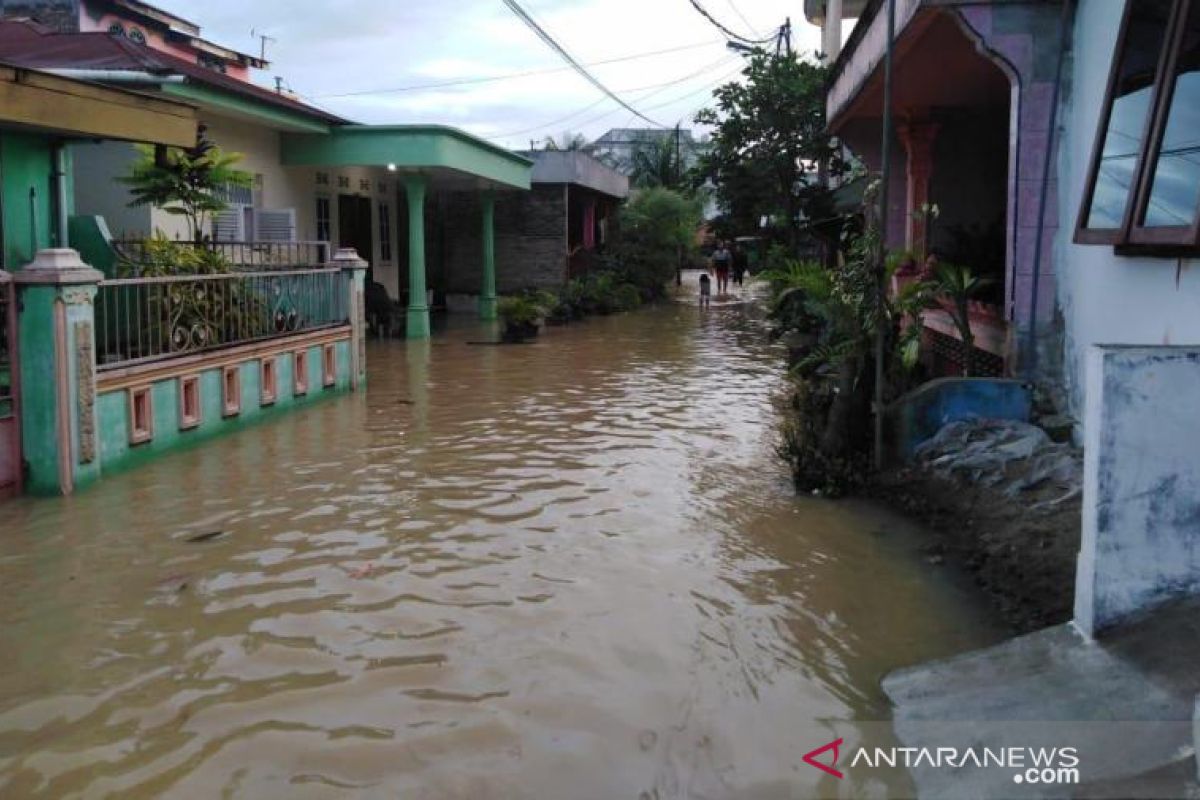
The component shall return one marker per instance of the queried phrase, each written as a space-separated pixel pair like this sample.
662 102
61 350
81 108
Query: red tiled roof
27 44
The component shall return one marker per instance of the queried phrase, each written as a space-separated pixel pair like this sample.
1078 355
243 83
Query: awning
450 158
75 109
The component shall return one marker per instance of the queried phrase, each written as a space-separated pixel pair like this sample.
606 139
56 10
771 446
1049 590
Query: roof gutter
125 77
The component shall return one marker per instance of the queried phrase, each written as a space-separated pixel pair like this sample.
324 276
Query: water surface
572 569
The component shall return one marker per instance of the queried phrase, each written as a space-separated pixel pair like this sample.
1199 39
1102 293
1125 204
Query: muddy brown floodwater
566 570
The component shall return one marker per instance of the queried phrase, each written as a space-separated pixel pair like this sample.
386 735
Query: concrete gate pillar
417 318
487 295
1141 483
354 272
56 326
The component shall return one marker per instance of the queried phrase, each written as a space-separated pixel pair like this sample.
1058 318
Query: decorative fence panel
10 424
7 335
242 256
141 320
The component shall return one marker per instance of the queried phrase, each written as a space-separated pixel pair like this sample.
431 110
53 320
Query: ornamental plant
186 182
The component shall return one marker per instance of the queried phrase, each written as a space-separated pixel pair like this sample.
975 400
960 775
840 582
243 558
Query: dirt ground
1020 548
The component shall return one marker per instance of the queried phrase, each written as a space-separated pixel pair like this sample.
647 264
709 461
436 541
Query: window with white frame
385 233
1143 189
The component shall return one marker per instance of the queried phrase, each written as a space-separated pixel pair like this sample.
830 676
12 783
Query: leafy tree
654 228
768 142
186 182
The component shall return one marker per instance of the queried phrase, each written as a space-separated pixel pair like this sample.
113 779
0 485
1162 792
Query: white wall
1106 298
276 187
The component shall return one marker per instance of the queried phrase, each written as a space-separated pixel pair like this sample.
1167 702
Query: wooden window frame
141 425
231 390
1132 237
190 414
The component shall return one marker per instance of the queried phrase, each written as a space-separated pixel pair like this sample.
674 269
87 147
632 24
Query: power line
742 17
515 7
513 75
657 89
728 33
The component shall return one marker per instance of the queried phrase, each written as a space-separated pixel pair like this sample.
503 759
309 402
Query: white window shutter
229 225
276 226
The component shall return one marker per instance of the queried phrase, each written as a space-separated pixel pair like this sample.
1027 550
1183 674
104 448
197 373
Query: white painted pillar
831 31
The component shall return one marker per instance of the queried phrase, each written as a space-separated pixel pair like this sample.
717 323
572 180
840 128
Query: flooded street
571 569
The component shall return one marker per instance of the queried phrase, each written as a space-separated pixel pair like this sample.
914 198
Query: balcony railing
241 256
143 320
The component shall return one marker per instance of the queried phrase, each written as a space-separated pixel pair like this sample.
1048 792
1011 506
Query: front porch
430 165
971 101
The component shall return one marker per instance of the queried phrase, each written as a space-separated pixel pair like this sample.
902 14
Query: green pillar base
417 323
487 309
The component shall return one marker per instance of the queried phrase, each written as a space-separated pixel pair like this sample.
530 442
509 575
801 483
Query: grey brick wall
531 240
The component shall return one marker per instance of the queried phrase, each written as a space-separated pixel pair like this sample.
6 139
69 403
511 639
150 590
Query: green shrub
518 310
627 297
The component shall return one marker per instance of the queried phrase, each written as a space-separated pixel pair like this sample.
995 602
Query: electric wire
529 21
704 12
512 75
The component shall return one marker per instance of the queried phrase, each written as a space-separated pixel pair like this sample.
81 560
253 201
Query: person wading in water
741 264
721 261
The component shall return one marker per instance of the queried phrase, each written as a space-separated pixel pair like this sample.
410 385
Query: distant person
721 261
705 290
741 264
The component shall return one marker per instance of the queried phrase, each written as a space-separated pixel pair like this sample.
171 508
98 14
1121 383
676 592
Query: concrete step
1126 701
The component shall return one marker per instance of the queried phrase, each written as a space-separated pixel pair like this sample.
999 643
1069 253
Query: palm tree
656 163
568 141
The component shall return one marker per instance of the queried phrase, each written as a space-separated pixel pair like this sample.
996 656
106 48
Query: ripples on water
571 569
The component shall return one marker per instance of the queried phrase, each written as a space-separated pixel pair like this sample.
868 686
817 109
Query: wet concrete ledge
1126 700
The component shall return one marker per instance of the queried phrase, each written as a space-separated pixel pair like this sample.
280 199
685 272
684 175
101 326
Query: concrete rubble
1005 455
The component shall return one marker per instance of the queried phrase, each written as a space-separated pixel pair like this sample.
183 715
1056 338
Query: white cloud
325 49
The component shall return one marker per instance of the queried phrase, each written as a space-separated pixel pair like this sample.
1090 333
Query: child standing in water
705 290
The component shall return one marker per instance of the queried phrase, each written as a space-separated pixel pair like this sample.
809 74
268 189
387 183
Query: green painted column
56 332
418 305
487 296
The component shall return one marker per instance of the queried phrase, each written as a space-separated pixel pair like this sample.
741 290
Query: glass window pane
1145 37
1176 186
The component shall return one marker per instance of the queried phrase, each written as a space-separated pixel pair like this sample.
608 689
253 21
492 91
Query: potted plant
522 317
959 286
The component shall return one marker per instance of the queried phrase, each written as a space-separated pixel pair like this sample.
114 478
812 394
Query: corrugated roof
27 44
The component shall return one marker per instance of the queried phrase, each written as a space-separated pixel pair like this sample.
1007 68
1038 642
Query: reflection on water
571 569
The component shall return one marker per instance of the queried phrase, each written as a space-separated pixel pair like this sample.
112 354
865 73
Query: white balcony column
831 31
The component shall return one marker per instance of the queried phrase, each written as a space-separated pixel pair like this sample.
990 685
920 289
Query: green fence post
354 273
56 323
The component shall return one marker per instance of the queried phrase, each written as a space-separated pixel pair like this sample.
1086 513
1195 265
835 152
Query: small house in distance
544 236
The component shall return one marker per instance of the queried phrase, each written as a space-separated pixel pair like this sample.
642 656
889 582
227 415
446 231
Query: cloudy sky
374 60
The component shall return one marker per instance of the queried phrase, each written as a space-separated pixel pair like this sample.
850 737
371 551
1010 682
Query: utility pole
880 277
